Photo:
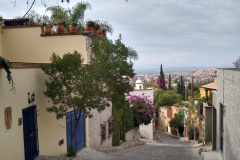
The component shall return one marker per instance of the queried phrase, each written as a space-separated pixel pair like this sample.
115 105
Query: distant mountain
170 70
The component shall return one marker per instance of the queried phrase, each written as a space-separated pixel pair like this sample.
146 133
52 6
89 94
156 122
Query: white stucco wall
93 129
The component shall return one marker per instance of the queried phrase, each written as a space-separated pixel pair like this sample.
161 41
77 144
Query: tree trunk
77 118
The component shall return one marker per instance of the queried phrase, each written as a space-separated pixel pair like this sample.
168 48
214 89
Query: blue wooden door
30 132
79 139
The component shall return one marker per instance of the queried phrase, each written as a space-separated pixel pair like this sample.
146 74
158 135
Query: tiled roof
212 86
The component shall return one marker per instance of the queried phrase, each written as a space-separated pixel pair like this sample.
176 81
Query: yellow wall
50 130
1 39
26 45
203 93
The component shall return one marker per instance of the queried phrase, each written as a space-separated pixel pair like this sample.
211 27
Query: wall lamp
31 98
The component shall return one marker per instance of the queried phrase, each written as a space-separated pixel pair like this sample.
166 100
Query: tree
237 63
72 86
169 82
178 121
167 98
114 72
161 79
182 87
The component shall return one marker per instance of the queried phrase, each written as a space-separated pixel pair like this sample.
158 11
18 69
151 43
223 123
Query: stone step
211 156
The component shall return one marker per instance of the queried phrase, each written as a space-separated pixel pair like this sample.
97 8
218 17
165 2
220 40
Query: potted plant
95 27
76 14
60 16
60 27
104 32
47 28
105 27
88 26
73 27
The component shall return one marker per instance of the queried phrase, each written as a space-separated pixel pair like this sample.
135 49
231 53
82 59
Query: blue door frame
79 140
30 132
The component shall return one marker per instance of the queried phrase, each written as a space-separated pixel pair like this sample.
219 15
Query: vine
6 64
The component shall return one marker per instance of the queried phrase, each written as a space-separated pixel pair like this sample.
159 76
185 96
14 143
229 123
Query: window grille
110 127
103 132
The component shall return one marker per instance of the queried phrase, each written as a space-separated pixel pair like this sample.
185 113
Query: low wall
132 135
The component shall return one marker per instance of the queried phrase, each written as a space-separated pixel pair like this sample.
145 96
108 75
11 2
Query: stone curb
124 145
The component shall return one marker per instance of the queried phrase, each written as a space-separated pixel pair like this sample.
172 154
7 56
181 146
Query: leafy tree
71 86
237 63
151 83
177 121
114 72
167 98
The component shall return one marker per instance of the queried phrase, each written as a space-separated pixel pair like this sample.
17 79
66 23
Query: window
103 132
110 127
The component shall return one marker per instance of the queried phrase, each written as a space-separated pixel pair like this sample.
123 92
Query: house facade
166 113
225 116
26 128
206 90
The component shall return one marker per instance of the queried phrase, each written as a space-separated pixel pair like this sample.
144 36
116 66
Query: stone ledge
211 156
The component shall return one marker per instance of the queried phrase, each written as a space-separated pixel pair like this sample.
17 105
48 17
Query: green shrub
72 151
199 140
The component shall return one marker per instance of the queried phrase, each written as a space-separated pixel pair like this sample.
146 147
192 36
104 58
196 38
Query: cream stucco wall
26 45
50 130
1 39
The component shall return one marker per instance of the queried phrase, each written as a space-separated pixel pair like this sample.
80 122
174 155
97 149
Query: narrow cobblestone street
167 147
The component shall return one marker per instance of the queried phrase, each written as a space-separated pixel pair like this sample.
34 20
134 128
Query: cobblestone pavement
166 148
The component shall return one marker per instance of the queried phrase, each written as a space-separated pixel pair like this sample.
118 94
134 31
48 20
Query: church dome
139 81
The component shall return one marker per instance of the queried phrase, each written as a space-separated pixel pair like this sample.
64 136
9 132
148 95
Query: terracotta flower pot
47 30
60 29
99 32
104 33
87 28
93 30
73 28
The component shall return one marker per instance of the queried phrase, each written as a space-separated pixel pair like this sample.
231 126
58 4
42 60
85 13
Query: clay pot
47 30
60 29
73 28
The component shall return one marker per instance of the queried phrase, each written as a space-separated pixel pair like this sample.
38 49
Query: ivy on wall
6 64
122 120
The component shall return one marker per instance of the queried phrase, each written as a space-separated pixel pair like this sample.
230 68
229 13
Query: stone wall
228 91
97 119
132 135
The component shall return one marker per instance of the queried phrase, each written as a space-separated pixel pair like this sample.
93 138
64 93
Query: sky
174 33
